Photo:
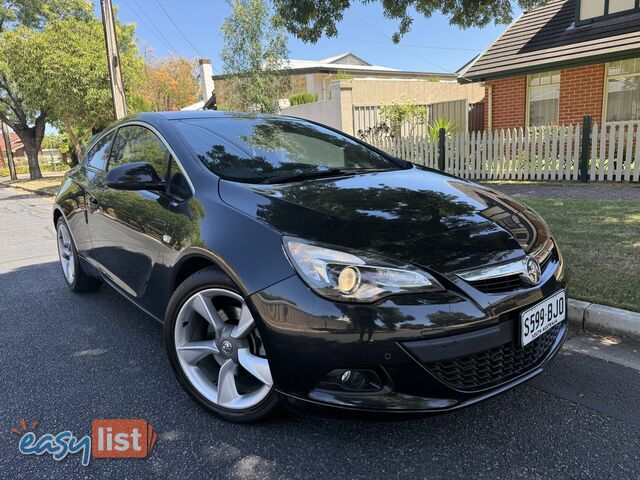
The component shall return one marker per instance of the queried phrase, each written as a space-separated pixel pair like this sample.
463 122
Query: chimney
206 80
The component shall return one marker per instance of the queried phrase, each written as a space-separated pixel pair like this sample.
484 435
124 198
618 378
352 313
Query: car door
128 228
86 179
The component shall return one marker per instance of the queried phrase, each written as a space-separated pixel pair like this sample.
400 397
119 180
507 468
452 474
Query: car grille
508 283
485 369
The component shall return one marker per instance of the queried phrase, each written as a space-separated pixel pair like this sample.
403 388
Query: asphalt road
67 359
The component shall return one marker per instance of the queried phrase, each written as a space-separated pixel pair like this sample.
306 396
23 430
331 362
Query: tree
254 57
404 113
73 81
310 19
21 21
169 83
69 77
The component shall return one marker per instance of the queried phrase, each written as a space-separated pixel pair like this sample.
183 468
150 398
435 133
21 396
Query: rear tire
207 313
77 279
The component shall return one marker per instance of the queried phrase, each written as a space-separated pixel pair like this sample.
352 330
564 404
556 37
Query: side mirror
134 176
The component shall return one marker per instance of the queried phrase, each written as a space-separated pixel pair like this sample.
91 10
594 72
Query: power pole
7 144
113 60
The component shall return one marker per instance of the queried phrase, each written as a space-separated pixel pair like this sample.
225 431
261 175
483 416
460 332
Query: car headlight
355 276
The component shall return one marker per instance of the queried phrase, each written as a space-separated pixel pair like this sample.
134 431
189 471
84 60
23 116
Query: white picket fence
537 153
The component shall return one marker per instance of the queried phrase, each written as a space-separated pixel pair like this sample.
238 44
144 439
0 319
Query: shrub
435 126
404 113
341 75
302 98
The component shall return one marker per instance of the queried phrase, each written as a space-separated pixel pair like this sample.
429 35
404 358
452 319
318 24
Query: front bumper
407 340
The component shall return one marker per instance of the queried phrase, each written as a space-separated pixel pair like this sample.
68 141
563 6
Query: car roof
179 115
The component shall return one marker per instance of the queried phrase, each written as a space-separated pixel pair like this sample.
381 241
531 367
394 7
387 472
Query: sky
431 46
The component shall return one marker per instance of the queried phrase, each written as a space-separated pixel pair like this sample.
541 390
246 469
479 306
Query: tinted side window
99 153
138 144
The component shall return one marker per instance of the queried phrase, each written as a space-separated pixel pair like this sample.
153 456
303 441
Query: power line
431 47
152 27
179 30
403 46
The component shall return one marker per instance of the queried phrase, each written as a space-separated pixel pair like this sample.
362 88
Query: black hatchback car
293 264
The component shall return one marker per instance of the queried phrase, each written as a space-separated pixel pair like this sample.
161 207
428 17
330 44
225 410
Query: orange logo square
120 438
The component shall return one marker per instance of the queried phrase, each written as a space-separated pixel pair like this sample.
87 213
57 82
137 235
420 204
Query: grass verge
600 241
45 186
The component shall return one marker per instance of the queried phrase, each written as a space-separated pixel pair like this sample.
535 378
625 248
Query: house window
589 10
543 97
623 91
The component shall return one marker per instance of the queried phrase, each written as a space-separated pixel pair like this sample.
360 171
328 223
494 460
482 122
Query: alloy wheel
66 253
220 350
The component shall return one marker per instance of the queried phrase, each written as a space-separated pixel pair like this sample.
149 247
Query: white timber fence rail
587 152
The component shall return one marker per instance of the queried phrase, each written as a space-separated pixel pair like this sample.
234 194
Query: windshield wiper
330 172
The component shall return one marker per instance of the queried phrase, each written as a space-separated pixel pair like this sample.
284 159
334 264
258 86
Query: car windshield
254 148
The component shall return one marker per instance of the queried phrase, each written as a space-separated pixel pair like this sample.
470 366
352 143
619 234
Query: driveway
68 359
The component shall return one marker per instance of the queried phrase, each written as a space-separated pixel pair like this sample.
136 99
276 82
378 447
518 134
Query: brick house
562 61
17 148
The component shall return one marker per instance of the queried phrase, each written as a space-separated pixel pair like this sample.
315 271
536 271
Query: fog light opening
352 380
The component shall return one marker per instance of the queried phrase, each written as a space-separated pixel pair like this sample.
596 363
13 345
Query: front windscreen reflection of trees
250 148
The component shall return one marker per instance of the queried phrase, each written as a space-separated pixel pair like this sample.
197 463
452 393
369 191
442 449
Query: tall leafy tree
254 57
62 68
310 19
74 81
20 23
169 83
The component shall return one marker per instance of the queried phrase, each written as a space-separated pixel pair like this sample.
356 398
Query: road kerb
603 320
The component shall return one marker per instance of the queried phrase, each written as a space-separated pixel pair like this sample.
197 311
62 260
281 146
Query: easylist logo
110 438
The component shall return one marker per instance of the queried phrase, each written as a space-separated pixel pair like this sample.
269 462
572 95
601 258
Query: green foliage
57 141
24 19
60 167
224 108
404 113
62 69
342 75
137 103
435 126
302 98
254 57
53 68
36 14
74 83
309 20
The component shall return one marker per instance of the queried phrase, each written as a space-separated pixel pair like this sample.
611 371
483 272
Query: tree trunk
74 139
31 148
31 138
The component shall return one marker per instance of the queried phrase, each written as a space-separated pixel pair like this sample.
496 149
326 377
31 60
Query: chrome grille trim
510 268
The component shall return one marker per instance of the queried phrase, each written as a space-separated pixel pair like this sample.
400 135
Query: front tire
216 351
77 279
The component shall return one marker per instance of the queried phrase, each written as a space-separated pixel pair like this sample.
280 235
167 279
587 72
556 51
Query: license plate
541 317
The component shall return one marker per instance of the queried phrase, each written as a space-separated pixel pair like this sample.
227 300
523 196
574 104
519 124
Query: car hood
415 215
